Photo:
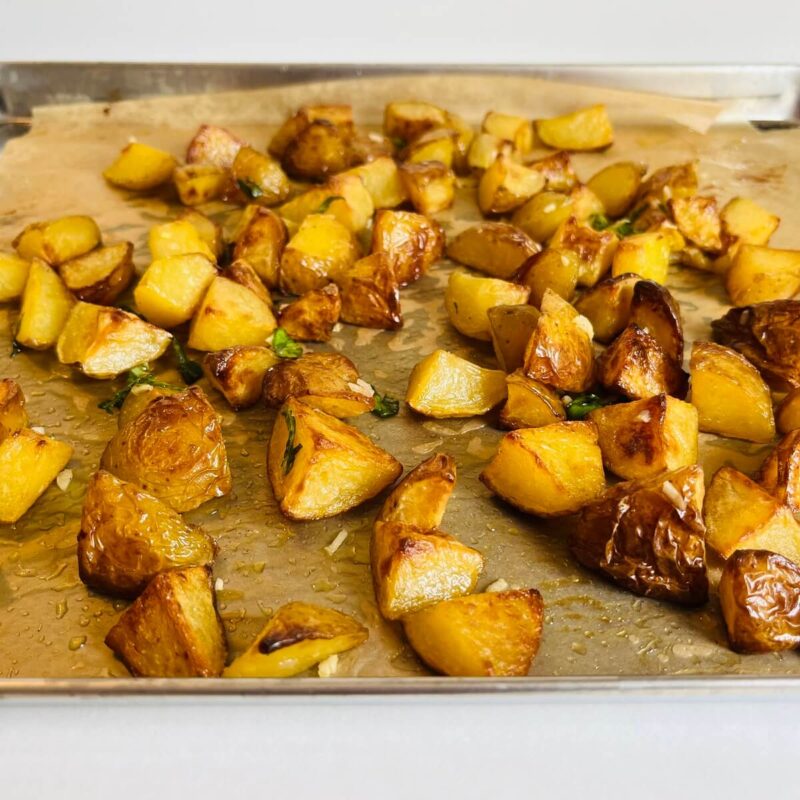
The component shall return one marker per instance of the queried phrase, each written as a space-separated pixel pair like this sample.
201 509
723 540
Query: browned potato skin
593 249
319 380
319 150
370 294
698 220
311 318
496 248
430 185
557 170
339 115
768 335
213 145
511 328
607 305
780 472
677 180
238 372
635 366
242 273
636 536
656 312
553 269
174 450
412 240
13 416
759 593
106 291
266 237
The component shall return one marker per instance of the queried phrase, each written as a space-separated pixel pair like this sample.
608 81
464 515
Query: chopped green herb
138 376
16 349
252 190
623 228
599 222
582 404
385 406
284 346
327 202
292 449
191 371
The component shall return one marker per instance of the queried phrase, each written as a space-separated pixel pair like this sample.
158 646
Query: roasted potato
437 144
320 149
213 145
101 275
339 115
176 238
495 634
656 312
407 120
140 167
593 249
320 466
463 140
370 293
468 299
297 636
698 220
173 629
549 471
46 304
174 450
445 386
485 149
238 373
741 515
645 254
668 183
780 473
430 186
13 416
496 248
760 274
516 130
585 129
259 177
647 437
172 288
261 243
59 240
745 222
648 536
382 179
201 183
506 185
29 463
344 196
413 241
530 404
730 396
559 352
327 381
208 230
787 414
128 536
617 186
759 593
13 276
552 269
608 306
312 317
142 395
559 176
540 216
512 328
242 273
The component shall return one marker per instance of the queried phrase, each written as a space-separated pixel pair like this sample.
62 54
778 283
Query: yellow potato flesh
46 304
140 167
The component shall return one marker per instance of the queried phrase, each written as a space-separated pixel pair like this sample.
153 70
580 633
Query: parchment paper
52 626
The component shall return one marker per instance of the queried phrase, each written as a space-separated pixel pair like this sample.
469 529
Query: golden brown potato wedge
370 293
213 145
745 222
698 220
430 186
648 536
593 249
344 196
512 328
656 312
760 274
506 185
530 404
485 149
437 144
730 396
238 373
559 176
296 637
647 437
496 248
46 304
140 167
242 273
759 593
13 276
668 183
585 129
540 216
259 177
261 244
646 254
514 129
608 306
141 396
549 471
552 269
312 317
445 386
787 415
780 473
128 536
176 238
173 629
339 115
13 416
408 119
208 230
495 634
320 466
617 186
174 450
201 183
463 141
413 241
321 149
58 240
101 275
381 177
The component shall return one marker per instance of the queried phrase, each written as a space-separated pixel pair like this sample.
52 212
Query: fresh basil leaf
291 450
385 406
250 189
599 222
582 404
284 346
191 371
137 376
327 202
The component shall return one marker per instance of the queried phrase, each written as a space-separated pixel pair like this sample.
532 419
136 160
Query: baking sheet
51 626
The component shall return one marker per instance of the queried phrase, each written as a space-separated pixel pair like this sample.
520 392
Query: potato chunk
339 115
617 186
484 150
430 186
344 196
29 463
608 306
657 313
296 637
506 185
46 304
327 381
312 317
585 129
549 471
437 144
370 293
530 404
174 450
741 515
787 415
648 536
730 396
13 416
780 473
259 178
173 629
593 249
176 238
261 243
413 241
13 276
511 128
495 634
213 145
59 240
382 180
140 167
208 230
512 328
496 248
667 183
759 274
557 169
647 437
698 221
407 120
321 149
552 269
646 254
100 276
745 222
759 593
319 466
542 214
128 536
238 373
445 386
201 183
468 299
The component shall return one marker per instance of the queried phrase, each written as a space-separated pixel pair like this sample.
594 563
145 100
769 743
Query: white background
645 747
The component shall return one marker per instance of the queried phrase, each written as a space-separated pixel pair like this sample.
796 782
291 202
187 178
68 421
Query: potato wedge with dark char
648 536
780 473
607 305
506 185
496 248
328 381
370 293
593 249
100 276
698 220
657 313
296 637
787 414
128 536
412 240
13 416
238 373
676 180
530 403
511 330
174 450
430 186
559 176
173 629
213 145
552 269
759 593
495 634
312 317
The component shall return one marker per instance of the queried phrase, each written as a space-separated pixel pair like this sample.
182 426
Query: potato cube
173 629
238 373
647 437
657 313
140 167
407 120
741 515
59 240
29 463
530 404
128 536
381 177
136 402
617 186
468 299
339 115
698 221
496 248
495 634
242 273
730 396
759 274
517 130
413 241
551 270
320 149
213 145
745 222
542 214
648 536
46 304
13 416
295 638
787 415
176 238
259 178
593 249
608 306
201 183
100 276
506 185
13 276
512 328
430 186
320 466
585 129
464 134
558 173
437 144
261 243
344 196
645 254
105 342
484 150
370 293
780 472
312 317
445 386
208 230
549 471
668 183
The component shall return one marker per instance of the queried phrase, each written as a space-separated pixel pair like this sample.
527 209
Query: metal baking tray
766 95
